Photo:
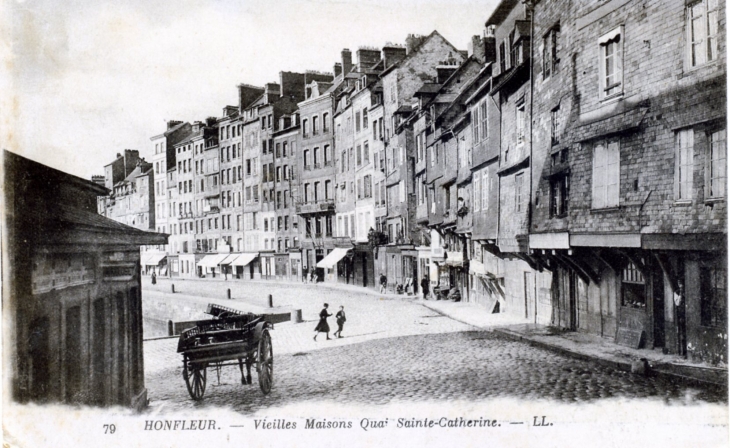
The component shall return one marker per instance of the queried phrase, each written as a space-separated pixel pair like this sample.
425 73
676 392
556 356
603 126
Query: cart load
231 338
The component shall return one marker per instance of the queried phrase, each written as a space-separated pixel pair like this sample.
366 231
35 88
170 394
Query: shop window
713 297
633 287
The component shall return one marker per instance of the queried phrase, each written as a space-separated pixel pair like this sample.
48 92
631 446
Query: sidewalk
580 345
330 285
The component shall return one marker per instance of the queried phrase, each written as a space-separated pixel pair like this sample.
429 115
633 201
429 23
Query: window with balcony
328 225
325 122
318 227
317 194
315 125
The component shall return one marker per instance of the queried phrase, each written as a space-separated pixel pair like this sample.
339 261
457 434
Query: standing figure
383 282
305 275
424 287
341 319
323 326
154 278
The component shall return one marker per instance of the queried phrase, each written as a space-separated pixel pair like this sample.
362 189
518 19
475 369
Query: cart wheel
195 379
265 365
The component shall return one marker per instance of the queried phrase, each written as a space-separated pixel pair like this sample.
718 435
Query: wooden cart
230 338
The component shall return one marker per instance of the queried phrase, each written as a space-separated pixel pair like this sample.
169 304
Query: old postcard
408 223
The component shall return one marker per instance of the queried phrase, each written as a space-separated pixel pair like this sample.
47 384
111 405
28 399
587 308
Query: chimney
210 121
366 57
413 41
346 61
338 69
247 94
392 55
292 85
272 91
172 123
490 45
476 48
197 126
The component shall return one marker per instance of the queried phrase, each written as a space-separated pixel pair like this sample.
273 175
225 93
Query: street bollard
271 301
229 293
170 331
296 316
172 285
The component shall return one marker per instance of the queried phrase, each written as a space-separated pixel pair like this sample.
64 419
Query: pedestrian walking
341 319
424 287
383 282
154 278
305 275
323 326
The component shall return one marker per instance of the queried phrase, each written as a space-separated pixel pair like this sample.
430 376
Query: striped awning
229 259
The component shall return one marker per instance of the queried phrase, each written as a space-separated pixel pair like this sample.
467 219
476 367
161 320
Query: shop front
155 263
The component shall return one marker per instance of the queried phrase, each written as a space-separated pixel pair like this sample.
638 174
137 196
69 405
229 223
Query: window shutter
477 192
613 172
599 175
485 189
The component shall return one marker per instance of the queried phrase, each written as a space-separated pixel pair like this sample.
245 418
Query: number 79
109 429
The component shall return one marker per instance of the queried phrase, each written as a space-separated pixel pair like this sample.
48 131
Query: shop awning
212 261
154 259
229 259
332 258
244 259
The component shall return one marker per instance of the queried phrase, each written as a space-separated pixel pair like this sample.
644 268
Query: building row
569 168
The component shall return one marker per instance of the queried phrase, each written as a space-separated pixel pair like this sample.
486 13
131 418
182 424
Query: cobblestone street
397 350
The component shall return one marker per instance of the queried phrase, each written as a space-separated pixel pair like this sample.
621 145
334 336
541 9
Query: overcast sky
89 79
